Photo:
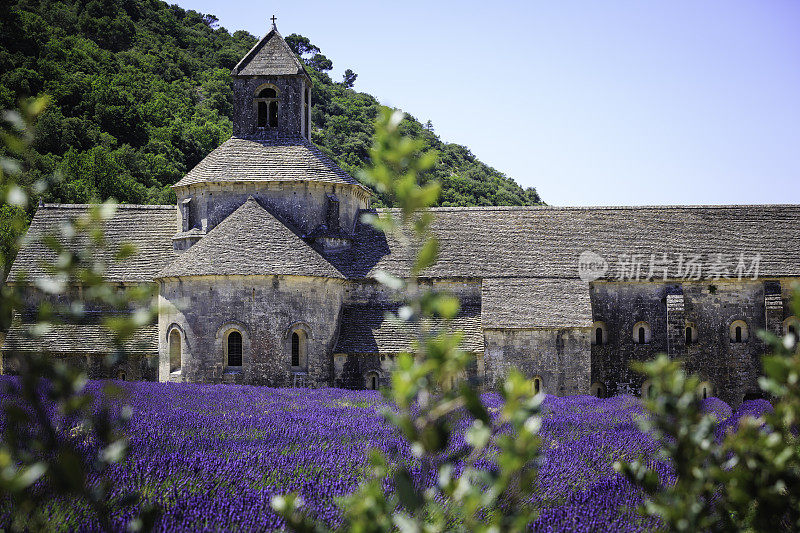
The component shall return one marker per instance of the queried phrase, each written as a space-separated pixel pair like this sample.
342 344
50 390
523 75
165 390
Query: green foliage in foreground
429 390
141 93
56 436
749 482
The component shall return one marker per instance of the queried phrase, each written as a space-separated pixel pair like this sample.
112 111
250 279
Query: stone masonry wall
304 204
351 370
559 356
621 306
132 367
731 368
290 107
265 310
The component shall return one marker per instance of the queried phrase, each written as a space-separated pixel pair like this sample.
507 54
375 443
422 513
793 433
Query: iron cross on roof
273 19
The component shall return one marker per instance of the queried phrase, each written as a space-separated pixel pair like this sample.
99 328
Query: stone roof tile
545 242
250 241
148 227
270 56
290 158
370 329
535 303
79 339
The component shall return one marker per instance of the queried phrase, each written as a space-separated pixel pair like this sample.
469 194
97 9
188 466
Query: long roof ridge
596 207
118 206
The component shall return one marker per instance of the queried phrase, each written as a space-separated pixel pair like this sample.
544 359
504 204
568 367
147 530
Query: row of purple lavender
213 456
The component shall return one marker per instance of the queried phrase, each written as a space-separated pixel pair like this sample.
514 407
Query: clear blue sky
592 103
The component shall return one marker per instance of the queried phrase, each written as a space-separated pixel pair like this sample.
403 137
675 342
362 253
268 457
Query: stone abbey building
266 274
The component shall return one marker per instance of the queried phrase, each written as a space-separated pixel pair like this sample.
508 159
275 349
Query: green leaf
27 476
447 306
409 497
473 403
69 470
427 255
389 280
776 367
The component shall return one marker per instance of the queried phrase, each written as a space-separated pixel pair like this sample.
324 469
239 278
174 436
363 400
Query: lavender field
214 455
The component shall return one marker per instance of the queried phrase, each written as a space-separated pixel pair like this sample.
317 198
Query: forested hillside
140 94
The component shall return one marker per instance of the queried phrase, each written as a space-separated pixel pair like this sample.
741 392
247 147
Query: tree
320 62
211 21
301 45
349 78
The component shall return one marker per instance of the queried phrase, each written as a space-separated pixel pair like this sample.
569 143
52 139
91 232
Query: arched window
598 390
174 350
791 326
599 335
705 390
691 333
739 332
372 380
538 385
121 375
641 333
266 105
298 349
234 348
295 349
647 390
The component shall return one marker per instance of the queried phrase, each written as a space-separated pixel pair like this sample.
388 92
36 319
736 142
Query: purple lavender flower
213 456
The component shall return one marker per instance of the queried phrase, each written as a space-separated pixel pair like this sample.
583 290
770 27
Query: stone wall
85 356
711 307
619 307
291 95
303 204
560 357
352 370
265 310
132 368
788 287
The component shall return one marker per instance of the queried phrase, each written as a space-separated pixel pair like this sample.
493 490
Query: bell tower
271 91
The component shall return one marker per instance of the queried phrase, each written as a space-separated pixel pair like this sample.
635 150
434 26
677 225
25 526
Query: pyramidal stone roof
290 158
271 56
251 241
